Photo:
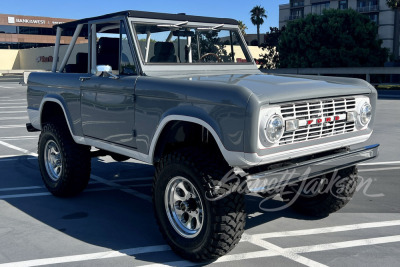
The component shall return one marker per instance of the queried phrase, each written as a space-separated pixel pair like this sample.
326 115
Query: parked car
169 90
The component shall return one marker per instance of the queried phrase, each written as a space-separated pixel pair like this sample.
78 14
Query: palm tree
257 18
242 27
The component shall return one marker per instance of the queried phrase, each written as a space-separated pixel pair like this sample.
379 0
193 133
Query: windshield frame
228 27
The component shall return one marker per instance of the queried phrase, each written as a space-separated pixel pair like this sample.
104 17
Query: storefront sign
30 21
44 59
13 20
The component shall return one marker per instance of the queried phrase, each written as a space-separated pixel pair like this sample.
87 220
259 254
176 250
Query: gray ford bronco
184 94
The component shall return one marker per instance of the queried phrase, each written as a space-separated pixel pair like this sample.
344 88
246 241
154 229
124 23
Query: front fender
232 158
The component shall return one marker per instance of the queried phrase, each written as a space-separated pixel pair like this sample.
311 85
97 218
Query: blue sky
237 9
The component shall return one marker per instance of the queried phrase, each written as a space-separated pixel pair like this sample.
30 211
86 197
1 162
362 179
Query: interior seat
82 62
81 65
164 52
108 51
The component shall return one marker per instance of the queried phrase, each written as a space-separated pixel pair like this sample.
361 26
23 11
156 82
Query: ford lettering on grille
317 119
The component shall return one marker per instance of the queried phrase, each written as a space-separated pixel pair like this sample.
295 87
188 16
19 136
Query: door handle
82 79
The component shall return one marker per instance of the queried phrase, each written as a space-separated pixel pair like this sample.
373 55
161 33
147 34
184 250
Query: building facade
20 32
387 20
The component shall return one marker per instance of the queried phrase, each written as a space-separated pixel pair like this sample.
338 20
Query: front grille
313 109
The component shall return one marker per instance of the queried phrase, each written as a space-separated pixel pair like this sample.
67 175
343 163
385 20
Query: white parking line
13 118
346 244
133 179
226 258
12 103
304 249
91 256
379 169
10 112
12 126
243 256
40 194
20 188
8 156
380 163
15 107
25 195
14 158
273 250
283 252
90 182
27 152
18 137
325 230
126 190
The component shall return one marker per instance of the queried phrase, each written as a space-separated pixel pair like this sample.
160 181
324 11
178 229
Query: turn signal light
291 125
351 116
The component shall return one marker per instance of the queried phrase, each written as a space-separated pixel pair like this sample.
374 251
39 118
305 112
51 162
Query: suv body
184 94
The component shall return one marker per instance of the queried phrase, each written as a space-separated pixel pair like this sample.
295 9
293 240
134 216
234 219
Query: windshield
178 43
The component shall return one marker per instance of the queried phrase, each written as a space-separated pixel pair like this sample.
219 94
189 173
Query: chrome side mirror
105 71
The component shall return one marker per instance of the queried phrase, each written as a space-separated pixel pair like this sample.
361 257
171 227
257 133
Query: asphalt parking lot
112 222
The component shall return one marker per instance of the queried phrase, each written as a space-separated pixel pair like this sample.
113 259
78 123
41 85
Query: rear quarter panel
62 88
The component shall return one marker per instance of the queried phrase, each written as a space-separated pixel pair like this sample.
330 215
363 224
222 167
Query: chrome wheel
53 160
184 207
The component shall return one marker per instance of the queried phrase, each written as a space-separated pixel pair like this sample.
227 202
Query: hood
286 88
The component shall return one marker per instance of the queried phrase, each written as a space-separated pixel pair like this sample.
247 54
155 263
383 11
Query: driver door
108 96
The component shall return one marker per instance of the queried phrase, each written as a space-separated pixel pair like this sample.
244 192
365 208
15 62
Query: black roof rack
150 15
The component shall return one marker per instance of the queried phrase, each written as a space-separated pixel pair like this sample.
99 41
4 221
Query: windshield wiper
178 25
211 28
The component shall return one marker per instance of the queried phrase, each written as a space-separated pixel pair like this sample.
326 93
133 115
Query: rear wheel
64 165
323 195
196 227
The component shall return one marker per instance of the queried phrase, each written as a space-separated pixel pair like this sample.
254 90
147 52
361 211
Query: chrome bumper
264 181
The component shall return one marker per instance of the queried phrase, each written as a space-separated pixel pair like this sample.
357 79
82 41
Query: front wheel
64 165
196 227
323 195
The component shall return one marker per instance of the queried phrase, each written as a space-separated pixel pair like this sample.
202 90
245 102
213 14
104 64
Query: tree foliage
270 60
210 42
257 15
242 27
393 4
337 38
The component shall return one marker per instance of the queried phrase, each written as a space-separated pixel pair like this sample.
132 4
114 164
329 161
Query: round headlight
365 113
274 128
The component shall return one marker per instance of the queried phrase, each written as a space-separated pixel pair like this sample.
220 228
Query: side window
113 48
107 45
127 64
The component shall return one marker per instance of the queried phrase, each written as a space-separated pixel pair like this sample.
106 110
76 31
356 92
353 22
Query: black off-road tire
224 219
335 194
75 161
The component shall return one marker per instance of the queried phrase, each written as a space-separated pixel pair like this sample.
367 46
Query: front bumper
280 177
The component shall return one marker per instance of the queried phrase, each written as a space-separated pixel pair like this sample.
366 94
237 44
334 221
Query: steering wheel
211 54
